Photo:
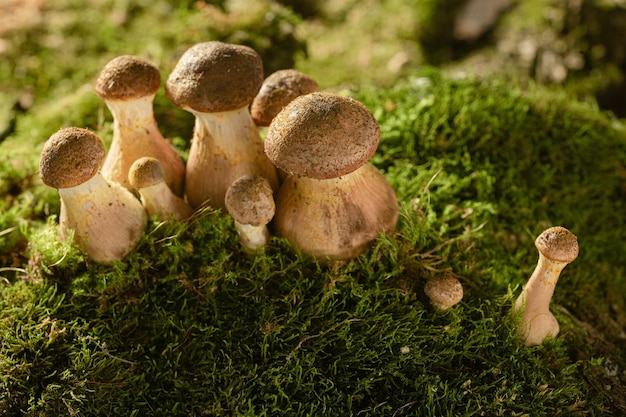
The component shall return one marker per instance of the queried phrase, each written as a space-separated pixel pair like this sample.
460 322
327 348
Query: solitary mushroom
444 292
128 85
333 202
216 82
279 89
146 176
250 201
106 218
557 247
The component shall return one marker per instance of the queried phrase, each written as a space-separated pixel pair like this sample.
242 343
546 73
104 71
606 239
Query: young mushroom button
333 202
279 89
216 82
250 201
146 176
106 218
444 292
128 85
557 247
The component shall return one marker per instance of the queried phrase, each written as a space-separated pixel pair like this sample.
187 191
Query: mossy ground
188 324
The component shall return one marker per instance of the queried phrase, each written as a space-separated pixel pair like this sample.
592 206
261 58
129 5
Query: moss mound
190 325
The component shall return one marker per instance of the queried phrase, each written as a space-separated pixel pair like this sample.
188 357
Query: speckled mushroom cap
249 200
558 244
215 76
279 89
322 135
144 172
444 291
70 157
127 77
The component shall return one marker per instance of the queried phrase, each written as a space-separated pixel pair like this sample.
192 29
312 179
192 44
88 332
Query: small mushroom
216 82
279 89
444 292
146 176
333 202
128 85
107 220
557 247
250 201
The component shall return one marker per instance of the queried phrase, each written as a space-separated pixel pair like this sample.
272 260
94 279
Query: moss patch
190 325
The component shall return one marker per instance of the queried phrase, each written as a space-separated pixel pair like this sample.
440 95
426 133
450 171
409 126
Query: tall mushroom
106 218
279 89
146 176
216 82
128 85
333 202
557 247
250 202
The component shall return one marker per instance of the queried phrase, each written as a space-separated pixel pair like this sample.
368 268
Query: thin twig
105 352
403 407
307 338
52 265
7 231
22 270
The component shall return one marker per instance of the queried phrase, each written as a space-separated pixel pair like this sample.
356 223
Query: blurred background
51 48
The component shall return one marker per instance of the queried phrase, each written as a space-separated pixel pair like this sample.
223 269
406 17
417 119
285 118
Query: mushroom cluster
329 200
319 142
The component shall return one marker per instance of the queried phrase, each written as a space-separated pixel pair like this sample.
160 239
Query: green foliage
189 324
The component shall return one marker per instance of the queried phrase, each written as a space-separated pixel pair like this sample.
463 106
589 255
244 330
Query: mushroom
443 291
250 202
146 176
278 90
333 202
557 247
216 82
128 85
107 220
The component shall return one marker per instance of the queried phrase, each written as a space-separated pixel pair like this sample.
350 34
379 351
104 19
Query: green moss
188 324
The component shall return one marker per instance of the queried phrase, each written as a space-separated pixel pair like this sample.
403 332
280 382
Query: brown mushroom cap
70 157
144 172
127 77
215 76
558 244
444 291
279 89
250 200
322 135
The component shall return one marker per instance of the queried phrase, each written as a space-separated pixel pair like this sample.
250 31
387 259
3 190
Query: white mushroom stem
250 202
107 219
252 237
537 322
132 114
336 218
136 134
225 146
146 176
159 201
